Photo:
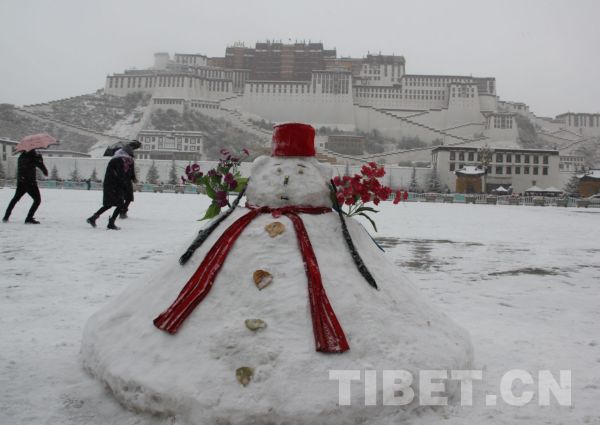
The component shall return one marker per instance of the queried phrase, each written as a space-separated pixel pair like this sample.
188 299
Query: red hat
293 139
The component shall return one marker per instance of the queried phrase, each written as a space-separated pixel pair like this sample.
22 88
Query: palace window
471 156
517 170
517 158
461 156
452 156
508 170
508 157
525 170
536 159
545 171
499 169
452 166
545 159
535 171
527 160
498 157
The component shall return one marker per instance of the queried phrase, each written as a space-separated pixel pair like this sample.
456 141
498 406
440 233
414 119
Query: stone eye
300 171
278 170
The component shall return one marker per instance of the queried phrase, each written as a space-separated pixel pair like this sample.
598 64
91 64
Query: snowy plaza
523 281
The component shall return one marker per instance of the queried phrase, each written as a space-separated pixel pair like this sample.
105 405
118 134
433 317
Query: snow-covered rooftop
591 174
470 170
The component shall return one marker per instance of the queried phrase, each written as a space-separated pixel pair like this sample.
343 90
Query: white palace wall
463 105
292 101
170 86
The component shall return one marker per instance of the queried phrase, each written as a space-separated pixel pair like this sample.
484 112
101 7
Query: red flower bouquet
358 190
219 181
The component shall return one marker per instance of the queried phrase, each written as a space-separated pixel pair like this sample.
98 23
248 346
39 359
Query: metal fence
448 198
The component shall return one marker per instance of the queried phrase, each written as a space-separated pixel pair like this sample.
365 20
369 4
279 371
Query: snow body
192 374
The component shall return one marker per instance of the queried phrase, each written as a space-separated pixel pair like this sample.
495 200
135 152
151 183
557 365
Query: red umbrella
35 141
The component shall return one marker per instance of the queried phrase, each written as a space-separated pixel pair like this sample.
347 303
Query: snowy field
524 281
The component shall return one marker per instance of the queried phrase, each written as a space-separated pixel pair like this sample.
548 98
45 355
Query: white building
7 148
178 145
516 168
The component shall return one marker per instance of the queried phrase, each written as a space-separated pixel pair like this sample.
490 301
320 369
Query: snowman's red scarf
328 333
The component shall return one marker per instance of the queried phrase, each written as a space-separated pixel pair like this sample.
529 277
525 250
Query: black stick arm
360 265
204 233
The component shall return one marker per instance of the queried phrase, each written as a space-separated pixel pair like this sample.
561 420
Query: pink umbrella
35 141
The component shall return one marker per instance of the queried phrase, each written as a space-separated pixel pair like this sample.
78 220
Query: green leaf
214 180
370 219
212 211
210 191
370 209
242 182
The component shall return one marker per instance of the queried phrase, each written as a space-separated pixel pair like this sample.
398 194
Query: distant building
571 163
516 168
469 179
276 61
589 183
7 148
586 124
178 145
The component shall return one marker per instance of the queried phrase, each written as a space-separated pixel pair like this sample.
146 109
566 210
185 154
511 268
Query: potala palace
278 82
348 100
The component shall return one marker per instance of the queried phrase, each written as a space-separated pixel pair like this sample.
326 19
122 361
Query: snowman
250 328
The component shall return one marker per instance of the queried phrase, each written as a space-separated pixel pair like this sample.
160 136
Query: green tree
572 186
74 176
54 173
152 176
94 175
433 184
173 173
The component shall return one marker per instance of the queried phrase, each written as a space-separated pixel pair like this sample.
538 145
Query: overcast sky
544 53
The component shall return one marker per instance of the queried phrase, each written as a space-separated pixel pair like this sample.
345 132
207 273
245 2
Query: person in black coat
129 181
115 186
132 178
27 183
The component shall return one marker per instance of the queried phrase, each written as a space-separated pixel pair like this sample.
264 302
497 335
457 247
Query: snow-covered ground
525 282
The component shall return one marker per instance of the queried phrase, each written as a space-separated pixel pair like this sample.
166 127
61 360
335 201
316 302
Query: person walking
131 180
27 183
115 186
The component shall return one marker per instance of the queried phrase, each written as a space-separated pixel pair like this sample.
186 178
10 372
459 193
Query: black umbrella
112 149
